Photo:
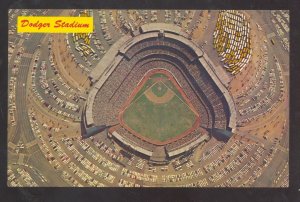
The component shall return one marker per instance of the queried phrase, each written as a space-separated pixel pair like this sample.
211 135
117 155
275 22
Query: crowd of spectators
144 56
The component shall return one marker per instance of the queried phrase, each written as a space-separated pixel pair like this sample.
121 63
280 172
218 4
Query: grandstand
166 47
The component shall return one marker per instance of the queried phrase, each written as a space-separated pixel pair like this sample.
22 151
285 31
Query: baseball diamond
161 112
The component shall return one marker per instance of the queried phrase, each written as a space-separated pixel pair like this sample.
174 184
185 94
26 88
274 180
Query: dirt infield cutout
159 100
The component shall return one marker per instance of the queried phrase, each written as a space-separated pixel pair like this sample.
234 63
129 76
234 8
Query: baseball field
158 109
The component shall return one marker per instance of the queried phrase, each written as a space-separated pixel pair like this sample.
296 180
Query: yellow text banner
54 24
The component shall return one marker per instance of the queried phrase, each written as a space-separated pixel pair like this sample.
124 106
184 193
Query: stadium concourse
151 98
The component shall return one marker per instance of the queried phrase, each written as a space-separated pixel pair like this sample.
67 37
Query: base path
159 100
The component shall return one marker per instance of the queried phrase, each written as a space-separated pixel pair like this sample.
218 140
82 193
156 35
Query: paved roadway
99 33
44 56
195 18
23 128
115 34
277 163
263 18
23 124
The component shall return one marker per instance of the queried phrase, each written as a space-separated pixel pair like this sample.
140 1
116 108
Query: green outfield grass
158 121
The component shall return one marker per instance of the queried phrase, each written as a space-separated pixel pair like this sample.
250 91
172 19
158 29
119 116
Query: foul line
181 100
133 101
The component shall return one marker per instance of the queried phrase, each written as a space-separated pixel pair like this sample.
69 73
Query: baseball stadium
160 93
